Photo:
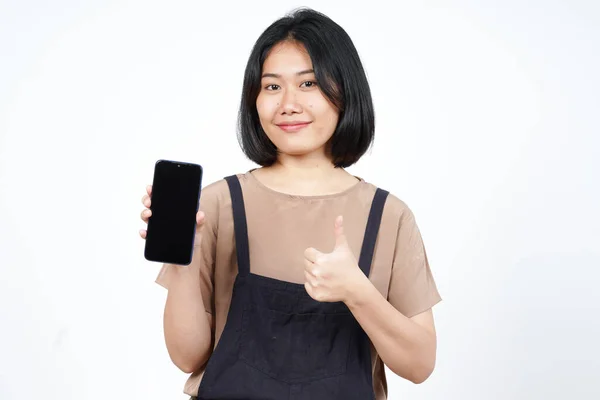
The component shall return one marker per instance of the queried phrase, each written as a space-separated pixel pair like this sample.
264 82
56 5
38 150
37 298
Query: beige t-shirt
282 226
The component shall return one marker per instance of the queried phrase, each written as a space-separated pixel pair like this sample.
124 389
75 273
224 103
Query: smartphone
175 199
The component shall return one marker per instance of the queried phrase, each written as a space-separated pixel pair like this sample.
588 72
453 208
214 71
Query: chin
296 152
299 147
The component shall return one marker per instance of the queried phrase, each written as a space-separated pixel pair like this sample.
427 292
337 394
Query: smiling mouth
294 127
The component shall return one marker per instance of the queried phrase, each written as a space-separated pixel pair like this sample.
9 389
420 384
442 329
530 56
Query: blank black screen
174 203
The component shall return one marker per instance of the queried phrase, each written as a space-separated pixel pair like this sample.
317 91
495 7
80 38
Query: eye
271 87
309 83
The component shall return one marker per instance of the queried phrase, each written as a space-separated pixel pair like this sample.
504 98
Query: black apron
278 343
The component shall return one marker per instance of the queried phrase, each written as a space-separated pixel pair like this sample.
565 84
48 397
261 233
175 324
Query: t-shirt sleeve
412 287
204 251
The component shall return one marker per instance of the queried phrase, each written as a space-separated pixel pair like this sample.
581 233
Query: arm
406 345
188 321
187 326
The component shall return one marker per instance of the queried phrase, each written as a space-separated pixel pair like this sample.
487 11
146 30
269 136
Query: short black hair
339 74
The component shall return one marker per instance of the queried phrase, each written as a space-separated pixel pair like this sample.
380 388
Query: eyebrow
305 72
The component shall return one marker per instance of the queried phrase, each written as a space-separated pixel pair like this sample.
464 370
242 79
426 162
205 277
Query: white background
487 126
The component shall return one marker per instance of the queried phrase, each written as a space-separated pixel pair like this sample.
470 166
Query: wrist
359 292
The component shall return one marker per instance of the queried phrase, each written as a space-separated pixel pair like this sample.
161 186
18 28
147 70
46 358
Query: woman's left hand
333 276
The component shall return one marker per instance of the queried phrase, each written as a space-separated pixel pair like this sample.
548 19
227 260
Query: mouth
294 126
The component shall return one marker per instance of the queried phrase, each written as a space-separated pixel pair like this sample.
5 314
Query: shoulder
215 201
395 207
216 194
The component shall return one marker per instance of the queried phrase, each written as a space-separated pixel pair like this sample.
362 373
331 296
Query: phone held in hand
175 201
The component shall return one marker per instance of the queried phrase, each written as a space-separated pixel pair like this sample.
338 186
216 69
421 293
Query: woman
305 280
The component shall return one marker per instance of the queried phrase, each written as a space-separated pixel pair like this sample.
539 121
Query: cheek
325 112
266 107
319 104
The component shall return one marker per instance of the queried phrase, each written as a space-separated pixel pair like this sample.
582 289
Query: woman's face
293 112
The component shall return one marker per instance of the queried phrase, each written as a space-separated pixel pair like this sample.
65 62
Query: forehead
287 58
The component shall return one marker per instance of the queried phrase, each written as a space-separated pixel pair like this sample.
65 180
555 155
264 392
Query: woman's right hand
147 213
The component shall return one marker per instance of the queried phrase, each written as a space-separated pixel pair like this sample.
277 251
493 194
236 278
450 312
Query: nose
289 102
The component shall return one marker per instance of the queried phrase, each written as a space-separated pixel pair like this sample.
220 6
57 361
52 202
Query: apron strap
373 223
239 224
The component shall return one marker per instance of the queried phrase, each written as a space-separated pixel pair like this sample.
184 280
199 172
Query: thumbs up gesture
332 276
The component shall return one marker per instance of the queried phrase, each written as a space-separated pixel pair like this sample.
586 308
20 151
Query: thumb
340 237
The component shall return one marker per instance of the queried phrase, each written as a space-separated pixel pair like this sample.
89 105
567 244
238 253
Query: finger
310 279
340 237
312 254
149 190
146 201
143 233
309 289
308 265
146 214
200 217
311 268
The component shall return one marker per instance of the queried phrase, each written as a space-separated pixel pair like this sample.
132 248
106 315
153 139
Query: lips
293 126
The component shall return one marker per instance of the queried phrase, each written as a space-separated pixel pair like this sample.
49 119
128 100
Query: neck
316 177
305 170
